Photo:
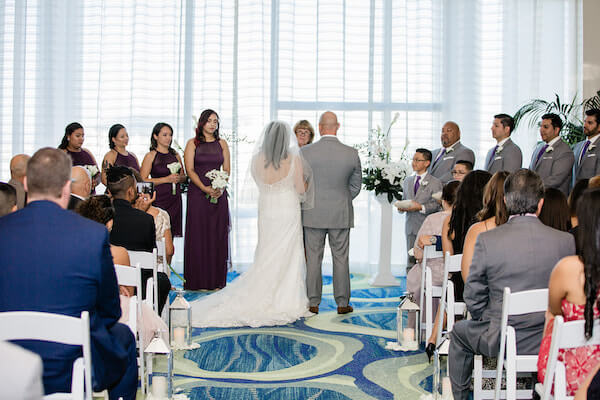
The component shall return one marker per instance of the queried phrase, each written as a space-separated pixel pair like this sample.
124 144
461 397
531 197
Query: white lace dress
273 290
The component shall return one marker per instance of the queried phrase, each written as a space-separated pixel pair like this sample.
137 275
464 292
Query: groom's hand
414 207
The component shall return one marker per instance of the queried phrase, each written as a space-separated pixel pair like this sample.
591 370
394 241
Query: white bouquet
92 169
218 180
174 168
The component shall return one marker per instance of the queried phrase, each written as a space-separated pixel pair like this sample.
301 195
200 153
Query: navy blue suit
54 260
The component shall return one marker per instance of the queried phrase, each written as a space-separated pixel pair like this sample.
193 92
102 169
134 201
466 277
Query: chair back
161 253
147 260
429 252
58 328
451 264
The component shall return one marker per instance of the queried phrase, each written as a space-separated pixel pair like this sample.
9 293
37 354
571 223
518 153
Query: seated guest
133 228
100 209
8 199
590 387
18 168
81 186
573 293
461 169
555 211
503 257
580 186
56 261
419 188
491 215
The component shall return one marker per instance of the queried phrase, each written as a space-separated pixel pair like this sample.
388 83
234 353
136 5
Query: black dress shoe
430 349
314 309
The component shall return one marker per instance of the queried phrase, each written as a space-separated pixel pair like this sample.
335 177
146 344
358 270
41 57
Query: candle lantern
159 367
408 318
180 322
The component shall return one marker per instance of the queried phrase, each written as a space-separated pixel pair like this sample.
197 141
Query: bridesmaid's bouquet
218 180
92 169
174 168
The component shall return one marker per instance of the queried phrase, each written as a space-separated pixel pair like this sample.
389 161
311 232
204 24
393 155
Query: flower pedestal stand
384 276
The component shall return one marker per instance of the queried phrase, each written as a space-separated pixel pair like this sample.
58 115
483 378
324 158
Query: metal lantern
159 367
180 322
408 318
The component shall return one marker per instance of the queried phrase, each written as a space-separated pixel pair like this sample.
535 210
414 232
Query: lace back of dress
268 179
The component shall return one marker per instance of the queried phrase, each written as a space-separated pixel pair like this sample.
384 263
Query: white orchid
218 180
549 149
92 169
174 168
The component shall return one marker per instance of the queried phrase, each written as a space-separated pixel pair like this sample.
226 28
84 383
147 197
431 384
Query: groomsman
587 151
505 155
452 151
419 188
553 159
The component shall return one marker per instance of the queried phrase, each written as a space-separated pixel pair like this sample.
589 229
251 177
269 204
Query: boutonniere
450 150
592 147
424 183
549 149
499 149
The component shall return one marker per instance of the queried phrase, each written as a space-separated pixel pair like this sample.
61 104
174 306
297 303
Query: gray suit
442 169
21 195
338 177
589 165
521 255
554 167
508 159
414 219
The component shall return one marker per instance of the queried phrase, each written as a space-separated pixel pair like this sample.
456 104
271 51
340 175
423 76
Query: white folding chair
524 302
447 302
147 260
162 255
34 325
565 335
130 276
428 291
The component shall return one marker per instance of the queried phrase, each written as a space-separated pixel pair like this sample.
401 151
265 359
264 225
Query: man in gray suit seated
338 177
587 151
444 158
505 155
419 188
519 254
553 159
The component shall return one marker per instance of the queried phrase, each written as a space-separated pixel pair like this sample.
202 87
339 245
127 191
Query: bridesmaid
166 184
72 143
207 224
118 139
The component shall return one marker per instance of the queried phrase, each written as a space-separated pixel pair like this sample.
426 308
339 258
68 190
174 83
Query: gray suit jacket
521 255
21 195
589 165
554 167
509 159
338 177
429 185
442 169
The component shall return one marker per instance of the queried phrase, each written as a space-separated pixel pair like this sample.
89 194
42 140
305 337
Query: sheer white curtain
102 62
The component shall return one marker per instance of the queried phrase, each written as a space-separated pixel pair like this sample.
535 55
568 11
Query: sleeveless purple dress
165 198
127 161
206 249
83 158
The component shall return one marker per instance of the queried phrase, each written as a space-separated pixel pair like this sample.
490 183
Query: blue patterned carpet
327 356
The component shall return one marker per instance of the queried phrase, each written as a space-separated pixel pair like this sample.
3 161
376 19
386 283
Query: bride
273 290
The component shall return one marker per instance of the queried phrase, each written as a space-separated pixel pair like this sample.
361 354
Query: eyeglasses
302 132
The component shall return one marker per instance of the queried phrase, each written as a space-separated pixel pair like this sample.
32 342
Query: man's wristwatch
433 240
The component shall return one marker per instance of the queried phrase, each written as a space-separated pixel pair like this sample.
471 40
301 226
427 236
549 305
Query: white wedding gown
273 290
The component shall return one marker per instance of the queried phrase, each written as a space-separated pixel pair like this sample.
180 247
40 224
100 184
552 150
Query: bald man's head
450 133
81 181
18 167
328 124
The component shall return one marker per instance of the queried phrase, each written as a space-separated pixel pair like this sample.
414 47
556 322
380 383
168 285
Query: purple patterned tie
540 153
439 157
417 184
585 147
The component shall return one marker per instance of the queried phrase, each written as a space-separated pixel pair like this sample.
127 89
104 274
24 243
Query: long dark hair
493 199
469 200
588 214
72 127
156 131
201 122
112 133
555 211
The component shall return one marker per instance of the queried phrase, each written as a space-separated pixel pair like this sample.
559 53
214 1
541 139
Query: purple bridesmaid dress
83 158
165 198
127 161
206 248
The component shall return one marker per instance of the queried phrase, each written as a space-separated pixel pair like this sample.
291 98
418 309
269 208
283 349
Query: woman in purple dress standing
118 139
207 224
72 143
160 167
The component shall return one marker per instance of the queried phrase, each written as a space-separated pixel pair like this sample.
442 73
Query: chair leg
477 377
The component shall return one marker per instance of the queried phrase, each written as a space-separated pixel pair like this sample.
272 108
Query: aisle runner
327 356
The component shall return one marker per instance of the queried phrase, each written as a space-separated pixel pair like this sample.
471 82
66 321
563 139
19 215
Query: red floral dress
578 361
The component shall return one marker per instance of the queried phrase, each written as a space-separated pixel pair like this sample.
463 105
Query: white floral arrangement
218 181
92 169
174 168
382 175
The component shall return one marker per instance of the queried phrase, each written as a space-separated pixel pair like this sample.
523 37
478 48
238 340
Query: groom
337 175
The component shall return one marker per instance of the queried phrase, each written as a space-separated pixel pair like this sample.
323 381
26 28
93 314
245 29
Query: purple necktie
585 147
491 160
540 153
439 157
417 184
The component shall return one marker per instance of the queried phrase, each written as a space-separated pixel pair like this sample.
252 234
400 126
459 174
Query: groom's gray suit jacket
554 167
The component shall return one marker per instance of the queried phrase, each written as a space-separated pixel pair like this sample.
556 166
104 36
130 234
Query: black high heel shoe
430 349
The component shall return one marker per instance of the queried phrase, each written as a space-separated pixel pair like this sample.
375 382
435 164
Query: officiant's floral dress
165 198
206 249
578 361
